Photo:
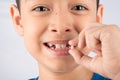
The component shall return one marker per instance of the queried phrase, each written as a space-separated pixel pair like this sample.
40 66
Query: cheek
32 35
32 43
82 22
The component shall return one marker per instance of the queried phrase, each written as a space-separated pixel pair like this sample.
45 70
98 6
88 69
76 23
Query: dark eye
79 8
41 8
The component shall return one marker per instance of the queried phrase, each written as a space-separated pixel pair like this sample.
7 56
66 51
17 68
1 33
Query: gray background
15 61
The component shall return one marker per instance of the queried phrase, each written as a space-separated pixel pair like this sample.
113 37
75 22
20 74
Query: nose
60 28
60 23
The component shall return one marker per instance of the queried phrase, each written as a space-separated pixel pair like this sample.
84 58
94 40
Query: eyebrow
28 0
31 0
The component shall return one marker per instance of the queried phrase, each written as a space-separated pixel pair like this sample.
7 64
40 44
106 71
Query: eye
79 8
41 9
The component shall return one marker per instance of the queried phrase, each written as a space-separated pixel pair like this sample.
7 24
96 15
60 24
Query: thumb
94 64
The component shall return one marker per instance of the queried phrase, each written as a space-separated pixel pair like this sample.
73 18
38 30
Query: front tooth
58 46
63 46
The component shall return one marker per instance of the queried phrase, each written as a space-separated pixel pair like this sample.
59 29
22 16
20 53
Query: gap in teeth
58 46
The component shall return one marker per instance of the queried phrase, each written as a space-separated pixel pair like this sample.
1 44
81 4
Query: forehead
89 3
59 0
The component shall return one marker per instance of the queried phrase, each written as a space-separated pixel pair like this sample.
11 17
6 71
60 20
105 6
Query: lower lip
58 52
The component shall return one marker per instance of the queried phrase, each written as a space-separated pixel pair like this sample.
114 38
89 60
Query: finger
93 64
82 42
76 55
74 42
92 42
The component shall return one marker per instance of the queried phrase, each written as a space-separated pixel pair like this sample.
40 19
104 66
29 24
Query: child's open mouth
58 47
64 46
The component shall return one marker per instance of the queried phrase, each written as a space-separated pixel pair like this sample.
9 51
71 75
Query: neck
79 73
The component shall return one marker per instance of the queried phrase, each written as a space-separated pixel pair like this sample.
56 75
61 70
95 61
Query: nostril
54 30
60 30
67 30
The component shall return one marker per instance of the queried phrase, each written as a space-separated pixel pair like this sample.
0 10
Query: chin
62 69
60 65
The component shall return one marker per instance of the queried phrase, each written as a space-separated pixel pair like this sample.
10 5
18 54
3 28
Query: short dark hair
18 3
98 1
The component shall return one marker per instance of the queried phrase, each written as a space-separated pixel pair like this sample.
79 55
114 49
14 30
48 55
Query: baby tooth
52 47
50 44
63 46
58 46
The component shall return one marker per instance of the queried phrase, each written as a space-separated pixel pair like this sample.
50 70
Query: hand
102 39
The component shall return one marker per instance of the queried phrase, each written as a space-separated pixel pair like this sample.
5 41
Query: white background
15 61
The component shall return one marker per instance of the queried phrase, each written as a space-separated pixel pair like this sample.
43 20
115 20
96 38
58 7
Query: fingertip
81 46
70 51
73 42
70 42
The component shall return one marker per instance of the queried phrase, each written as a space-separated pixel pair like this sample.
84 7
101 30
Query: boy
59 34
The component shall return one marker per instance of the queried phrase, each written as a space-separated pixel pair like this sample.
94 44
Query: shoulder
99 77
34 78
95 77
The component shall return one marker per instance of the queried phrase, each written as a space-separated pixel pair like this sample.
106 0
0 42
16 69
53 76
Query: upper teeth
58 46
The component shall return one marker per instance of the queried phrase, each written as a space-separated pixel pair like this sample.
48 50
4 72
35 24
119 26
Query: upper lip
58 42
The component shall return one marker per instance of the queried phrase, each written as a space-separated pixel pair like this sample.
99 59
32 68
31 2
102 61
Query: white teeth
58 46
63 46
50 45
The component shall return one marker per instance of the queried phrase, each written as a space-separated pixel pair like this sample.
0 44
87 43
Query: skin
82 28
104 41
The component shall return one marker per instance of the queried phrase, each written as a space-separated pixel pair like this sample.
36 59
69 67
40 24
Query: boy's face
48 25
